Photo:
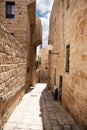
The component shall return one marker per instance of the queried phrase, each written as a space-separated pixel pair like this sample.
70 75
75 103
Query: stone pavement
54 115
38 102
27 115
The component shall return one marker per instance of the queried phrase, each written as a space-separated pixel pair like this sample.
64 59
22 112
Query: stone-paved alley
38 102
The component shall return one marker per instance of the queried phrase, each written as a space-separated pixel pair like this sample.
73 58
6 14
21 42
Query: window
28 70
60 87
55 24
46 67
10 9
67 4
55 76
67 58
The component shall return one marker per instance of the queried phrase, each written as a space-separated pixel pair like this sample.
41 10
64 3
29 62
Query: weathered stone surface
27 115
27 30
17 54
54 115
68 26
43 75
12 73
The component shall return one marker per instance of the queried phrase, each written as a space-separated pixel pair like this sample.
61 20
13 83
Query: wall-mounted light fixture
50 48
54 52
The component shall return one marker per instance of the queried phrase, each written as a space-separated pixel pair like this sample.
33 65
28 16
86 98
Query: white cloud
44 9
44 5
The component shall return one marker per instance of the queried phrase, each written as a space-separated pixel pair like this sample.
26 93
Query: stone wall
68 26
36 40
32 65
26 28
12 73
17 54
17 25
44 65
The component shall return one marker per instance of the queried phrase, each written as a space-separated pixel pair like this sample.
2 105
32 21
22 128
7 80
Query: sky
43 12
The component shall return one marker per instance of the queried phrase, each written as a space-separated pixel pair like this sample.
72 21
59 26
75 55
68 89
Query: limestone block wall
32 65
25 27
44 65
17 25
12 73
37 34
36 39
56 40
70 28
17 54
75 83
28 36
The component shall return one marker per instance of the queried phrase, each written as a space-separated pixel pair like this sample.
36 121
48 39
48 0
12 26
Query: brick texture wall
12 73
18 53
44 65
17 25
26 28
68 26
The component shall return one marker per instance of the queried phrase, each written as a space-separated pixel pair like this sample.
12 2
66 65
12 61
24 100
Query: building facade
43 68
68 58
20 34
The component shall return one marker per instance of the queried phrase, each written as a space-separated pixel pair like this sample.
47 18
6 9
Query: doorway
60 87
55 76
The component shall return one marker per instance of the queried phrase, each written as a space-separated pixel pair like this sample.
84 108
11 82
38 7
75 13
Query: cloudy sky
43 12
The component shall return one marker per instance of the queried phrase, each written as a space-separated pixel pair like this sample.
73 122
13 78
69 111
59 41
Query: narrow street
39 111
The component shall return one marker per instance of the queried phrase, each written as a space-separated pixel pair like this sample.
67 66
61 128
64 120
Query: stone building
17 51
44 65
68 58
